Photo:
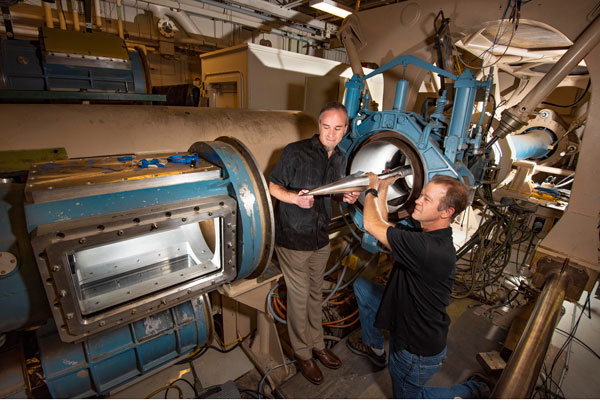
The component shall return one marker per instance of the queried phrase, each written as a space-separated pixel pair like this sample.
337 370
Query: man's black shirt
413 307
305 165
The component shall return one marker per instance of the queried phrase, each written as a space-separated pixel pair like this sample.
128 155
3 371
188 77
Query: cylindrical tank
92 130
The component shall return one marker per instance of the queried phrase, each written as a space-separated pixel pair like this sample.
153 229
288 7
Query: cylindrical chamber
92 130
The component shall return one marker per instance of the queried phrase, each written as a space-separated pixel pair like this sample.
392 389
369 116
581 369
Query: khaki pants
303 274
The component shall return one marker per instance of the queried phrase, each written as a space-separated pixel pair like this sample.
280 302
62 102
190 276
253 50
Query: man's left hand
350 197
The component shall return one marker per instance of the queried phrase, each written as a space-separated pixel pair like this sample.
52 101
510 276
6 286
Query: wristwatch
372 191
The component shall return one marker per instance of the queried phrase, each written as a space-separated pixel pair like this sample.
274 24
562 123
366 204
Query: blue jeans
409 372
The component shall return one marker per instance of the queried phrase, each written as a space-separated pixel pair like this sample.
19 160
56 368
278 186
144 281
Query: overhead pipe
181 17
97 12
48 14
61 17
520 375
119 19
255 15
349 39
75 7
517 116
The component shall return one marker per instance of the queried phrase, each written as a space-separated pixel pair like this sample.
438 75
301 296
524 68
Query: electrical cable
152 394
337 285
270 305
577 340
342 319
252 392
342 326
570 337
185 381
575 102
496 38
260 386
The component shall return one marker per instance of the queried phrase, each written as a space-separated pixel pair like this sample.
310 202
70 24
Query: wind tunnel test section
127 249
102 263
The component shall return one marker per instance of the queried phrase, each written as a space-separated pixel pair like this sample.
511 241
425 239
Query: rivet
55 268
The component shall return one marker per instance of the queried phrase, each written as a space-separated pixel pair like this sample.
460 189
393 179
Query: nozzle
357 182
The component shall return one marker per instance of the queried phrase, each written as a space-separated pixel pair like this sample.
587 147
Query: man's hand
387 182
305 202
373 180
350 197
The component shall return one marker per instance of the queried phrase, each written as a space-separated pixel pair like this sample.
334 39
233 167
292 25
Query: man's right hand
305 202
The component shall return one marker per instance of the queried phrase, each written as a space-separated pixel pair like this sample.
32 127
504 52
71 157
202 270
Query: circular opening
386 151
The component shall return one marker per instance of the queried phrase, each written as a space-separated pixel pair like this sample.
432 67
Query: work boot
310 370
356 345
327 358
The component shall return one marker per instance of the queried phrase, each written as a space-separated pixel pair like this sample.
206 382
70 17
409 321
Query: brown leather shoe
310 370
328 358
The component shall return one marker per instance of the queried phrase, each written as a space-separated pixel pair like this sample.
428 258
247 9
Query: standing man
301 237
412 306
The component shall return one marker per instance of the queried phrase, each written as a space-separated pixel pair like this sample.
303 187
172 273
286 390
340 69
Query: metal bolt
63 293
163 301
55 268
82 240
102 323
120 232
133 311
69 316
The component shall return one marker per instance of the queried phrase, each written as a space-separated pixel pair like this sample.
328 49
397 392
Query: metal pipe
97 12
255 15
523 368
75 7
120 19
517 116
61 17
400 97
48 15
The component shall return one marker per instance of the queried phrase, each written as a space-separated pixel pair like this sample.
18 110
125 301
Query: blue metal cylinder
354 88
400 96
106 361
461 115
532 144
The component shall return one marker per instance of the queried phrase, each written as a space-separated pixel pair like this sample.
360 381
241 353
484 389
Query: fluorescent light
331 7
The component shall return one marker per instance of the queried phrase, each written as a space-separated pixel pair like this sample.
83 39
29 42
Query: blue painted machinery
72 65
380 140
123 252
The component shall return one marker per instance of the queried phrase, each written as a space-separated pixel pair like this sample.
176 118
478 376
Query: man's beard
329 148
